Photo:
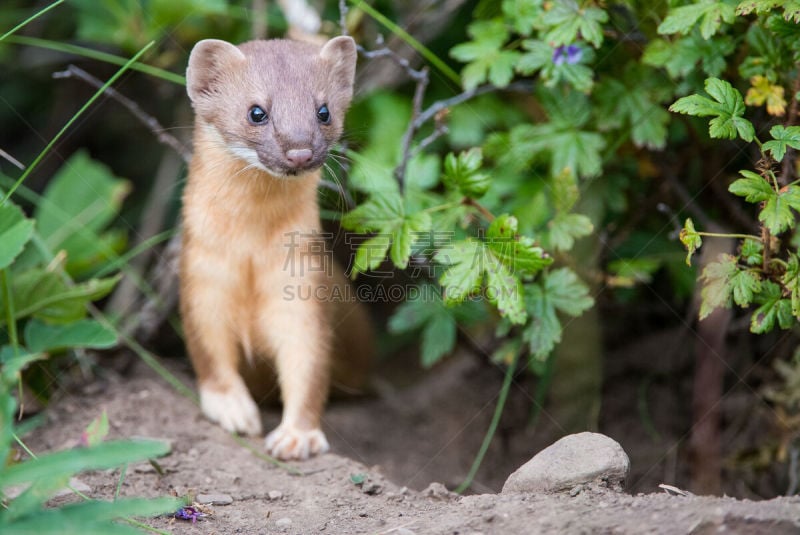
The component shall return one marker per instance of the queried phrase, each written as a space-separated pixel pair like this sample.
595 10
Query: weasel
266 115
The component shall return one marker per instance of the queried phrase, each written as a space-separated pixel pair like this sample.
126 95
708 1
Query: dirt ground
398 442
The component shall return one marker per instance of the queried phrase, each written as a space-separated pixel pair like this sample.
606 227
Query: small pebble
77 485
283 523
275 495
214 499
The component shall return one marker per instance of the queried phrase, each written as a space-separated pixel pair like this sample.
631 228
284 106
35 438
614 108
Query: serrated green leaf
566 228
776 214
484 54
727 109
791 281
717 288
774 309
711 14
464 275
403 237
783 137
370 254
567 292
523 14
543 332
752 252
462 172
40 337
518 253
438 337
690 239
565 20
15 231
752 187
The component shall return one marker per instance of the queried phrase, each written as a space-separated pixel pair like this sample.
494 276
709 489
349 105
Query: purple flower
189 512
569 54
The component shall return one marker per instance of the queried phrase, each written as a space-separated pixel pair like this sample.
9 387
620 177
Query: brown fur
249 215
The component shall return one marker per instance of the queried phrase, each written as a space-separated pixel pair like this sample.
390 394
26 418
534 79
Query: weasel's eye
257 115
324 114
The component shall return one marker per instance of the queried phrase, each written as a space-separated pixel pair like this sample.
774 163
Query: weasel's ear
209 60
340 54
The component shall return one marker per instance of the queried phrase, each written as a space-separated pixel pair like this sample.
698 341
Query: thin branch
522 86
419 94
148 120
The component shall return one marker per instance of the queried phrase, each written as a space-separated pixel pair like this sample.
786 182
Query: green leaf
524 15
777 215
567 292
752 187
690 239
93 517
470 261
47 296
484 54
791 280
463 173
565 21
106 455
752 252
438 337
782 138
710 13
15 231
566 228
725 280
77 205
44 338
727 109
464 276
774 309
386 216
543 332
14 362
518 253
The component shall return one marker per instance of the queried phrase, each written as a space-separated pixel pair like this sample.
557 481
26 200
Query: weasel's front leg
224 397
298 333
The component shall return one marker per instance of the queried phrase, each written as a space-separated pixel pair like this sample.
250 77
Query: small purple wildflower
569 54
188 512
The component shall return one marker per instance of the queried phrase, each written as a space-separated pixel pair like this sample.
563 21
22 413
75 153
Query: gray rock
283 523
573 460
275 495
214 499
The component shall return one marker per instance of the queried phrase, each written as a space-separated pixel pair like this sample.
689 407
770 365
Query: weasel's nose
299 157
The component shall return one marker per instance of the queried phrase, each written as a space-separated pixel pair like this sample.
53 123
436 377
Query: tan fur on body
252 236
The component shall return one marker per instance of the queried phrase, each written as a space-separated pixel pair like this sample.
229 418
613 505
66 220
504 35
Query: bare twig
148 120
419 94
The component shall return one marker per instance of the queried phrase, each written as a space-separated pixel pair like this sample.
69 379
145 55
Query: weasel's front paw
286 442
233 409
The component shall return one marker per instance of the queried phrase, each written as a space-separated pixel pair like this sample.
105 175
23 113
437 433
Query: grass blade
30 19
91 53
80 112
106 455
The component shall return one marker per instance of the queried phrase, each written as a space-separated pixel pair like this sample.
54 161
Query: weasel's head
277 105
